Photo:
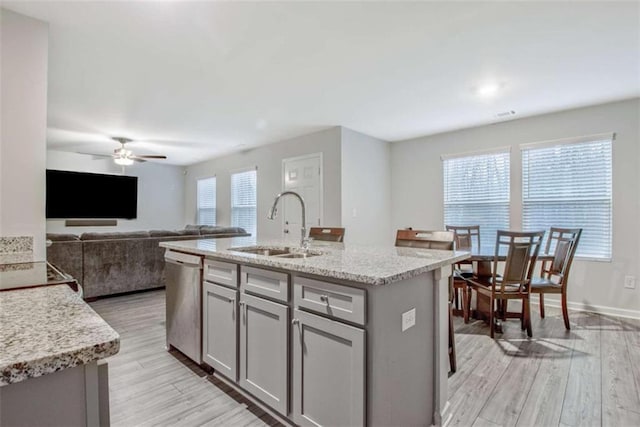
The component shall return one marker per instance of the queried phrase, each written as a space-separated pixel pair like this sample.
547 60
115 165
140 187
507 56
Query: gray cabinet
264 351
220 331
328 372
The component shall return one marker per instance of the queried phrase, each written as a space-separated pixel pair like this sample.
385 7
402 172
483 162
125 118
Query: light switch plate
629 282
408 319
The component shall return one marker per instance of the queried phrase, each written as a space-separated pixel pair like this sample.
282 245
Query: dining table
482 258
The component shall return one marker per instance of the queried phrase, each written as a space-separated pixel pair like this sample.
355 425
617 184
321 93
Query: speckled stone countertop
47 329
371 265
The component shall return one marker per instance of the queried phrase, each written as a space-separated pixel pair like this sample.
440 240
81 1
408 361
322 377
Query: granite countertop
47 329
370 265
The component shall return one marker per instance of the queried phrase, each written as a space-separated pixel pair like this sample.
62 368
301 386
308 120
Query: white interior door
304 176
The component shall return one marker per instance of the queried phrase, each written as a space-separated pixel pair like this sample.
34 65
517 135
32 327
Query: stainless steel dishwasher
183 273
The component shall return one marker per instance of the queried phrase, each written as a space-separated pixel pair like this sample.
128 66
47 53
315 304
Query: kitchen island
335 335
51 349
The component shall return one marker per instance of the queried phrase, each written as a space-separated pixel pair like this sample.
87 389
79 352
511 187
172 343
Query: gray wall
268 160
417 194
160 192
366 189
24 52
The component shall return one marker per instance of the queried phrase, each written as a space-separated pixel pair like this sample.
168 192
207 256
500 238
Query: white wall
23 121
417 194
366 189
160 192
268 159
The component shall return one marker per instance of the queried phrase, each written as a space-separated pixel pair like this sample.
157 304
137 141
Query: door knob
295 321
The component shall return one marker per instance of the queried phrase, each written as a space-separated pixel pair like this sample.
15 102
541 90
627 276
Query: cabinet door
220 332
264 351
328 372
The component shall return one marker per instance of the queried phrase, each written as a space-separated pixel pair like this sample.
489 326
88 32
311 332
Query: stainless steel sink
298 255
262 251
275 252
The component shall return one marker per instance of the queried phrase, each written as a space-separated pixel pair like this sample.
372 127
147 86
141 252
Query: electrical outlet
408 319
630 282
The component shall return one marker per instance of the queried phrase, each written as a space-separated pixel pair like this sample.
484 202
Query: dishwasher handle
182 259
180 263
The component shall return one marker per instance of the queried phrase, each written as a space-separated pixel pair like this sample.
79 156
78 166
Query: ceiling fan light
123 161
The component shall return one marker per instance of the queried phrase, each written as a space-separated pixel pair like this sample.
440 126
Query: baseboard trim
599 309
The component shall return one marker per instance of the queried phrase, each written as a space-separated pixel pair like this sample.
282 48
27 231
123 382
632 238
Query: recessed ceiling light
261 124
488 90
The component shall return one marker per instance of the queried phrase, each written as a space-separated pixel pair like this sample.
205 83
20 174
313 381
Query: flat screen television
91 195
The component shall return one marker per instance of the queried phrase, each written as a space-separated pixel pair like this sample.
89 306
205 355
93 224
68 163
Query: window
568 184
476 192
207 201
243 204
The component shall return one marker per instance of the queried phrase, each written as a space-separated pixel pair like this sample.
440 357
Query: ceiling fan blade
108 156
150 157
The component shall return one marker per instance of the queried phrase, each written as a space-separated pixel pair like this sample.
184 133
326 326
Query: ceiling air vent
506 114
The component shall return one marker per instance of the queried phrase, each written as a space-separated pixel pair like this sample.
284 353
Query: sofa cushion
193 227
115 235
207 230
162 233
188 232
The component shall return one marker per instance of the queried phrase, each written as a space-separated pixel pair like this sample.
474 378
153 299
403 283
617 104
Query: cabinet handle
295 321
324 298
232 300
242 303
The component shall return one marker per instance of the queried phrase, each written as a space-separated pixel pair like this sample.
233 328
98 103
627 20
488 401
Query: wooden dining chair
522 250
554 274
465 238
327 234
443 240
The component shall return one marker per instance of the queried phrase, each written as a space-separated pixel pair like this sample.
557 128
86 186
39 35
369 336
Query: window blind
476 192
243 205
569 185
206 201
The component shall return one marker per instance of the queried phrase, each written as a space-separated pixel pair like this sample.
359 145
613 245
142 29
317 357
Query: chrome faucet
304 241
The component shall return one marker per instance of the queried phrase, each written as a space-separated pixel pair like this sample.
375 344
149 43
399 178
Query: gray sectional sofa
114 263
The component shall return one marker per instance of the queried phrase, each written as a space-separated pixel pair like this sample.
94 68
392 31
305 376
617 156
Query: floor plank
620 402
583 397
543 405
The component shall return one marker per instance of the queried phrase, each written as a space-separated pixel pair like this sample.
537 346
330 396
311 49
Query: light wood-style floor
583 377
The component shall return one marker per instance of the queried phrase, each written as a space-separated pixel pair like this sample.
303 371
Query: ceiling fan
123 157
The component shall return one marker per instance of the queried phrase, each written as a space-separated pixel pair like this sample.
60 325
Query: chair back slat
515 269
443 240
